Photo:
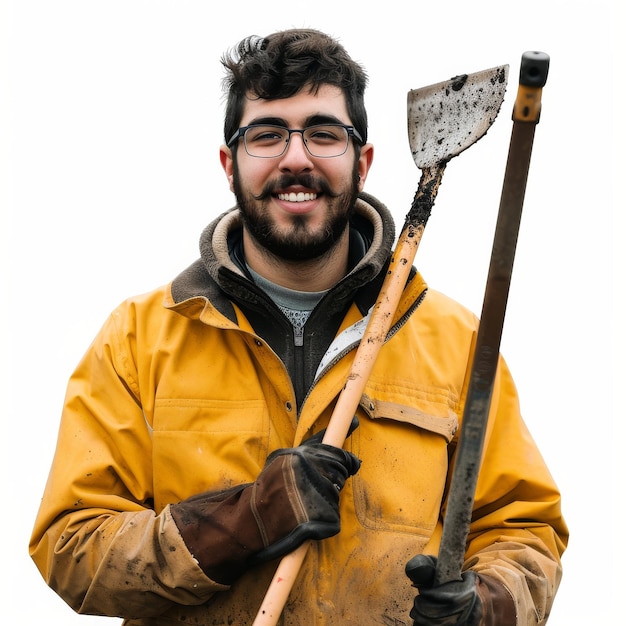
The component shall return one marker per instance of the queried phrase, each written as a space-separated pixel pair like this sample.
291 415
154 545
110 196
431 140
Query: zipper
392 331
403 319
298 336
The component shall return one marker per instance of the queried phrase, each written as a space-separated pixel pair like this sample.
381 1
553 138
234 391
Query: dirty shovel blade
446 118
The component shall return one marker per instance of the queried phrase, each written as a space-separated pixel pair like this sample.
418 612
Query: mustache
305 180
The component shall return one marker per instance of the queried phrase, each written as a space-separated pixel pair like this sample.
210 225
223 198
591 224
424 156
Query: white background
111 122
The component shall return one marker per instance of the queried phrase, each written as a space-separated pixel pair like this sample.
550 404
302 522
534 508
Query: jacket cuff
498 606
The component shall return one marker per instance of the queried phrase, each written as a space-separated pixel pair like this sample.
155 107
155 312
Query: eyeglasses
267 141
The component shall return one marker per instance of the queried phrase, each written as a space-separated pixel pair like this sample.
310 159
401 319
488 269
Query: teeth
297 197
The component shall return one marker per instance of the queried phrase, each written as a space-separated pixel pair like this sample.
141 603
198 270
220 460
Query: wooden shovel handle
374 337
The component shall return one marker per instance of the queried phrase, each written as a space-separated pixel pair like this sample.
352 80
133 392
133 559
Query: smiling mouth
297 197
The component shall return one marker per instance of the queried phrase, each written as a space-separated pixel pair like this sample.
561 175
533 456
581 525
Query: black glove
295 498
475 600
454 602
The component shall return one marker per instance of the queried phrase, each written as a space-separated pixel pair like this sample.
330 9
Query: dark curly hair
281 64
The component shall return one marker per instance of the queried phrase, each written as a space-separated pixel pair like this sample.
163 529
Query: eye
266 134
325 134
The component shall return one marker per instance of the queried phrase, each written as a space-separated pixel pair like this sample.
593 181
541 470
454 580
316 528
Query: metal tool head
447 118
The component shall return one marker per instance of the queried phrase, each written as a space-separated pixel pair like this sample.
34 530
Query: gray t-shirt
296 305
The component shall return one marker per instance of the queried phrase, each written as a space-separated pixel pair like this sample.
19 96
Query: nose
296 157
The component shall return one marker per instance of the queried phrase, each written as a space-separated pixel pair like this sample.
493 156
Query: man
189 457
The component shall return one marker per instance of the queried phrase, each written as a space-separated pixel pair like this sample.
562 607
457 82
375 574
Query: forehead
296 110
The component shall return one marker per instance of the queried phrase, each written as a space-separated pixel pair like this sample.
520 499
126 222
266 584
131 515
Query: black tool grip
534 69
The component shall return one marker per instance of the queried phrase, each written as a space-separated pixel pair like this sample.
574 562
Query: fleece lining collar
220 276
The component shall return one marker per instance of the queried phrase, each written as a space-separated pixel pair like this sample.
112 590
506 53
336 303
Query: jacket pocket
404 451
205 445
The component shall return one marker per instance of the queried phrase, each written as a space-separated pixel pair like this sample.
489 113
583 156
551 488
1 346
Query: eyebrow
312 120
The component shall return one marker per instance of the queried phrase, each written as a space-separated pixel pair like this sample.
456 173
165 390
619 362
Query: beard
300 242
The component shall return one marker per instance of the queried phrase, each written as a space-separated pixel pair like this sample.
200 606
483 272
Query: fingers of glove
455 592
455 602
334 464
331 463
421 570
445 616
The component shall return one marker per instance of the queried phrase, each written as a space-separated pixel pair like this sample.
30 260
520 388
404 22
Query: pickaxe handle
526 112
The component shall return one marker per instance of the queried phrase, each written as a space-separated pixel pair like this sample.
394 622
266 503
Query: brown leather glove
295 498
475 600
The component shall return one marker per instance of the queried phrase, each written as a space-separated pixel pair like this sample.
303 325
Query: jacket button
288 406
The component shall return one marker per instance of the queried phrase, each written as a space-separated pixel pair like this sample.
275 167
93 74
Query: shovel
443 120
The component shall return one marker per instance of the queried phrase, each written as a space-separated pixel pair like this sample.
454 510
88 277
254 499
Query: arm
102 543
517 534
97 540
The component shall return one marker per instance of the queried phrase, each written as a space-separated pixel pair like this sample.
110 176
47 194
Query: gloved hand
475 600
295 498
454 602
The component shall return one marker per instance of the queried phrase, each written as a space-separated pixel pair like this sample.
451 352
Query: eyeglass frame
241 132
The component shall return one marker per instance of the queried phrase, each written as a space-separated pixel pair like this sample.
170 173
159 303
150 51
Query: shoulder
438 303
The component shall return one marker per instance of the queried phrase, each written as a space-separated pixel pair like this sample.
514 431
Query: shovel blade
446 118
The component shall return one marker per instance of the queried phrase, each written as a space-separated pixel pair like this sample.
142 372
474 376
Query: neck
317 274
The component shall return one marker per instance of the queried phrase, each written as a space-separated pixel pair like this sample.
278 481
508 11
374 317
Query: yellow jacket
178 394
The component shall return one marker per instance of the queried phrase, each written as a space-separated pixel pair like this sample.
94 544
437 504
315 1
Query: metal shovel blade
446 118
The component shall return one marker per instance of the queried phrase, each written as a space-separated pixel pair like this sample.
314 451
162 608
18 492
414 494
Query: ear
226 159
365 162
